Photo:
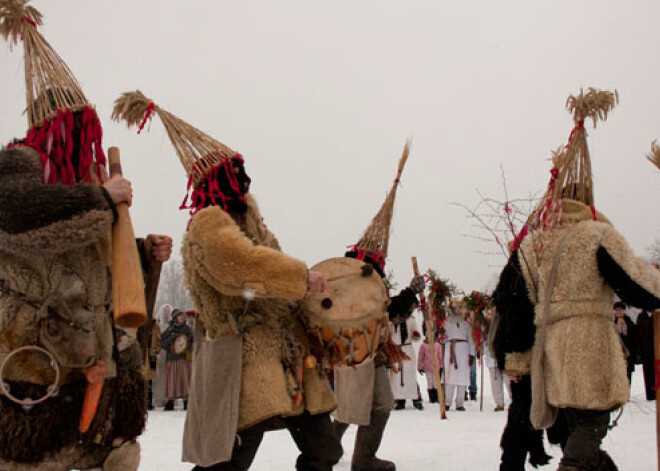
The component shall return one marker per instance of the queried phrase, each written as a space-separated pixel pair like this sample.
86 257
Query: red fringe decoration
209 187
54 142
362 254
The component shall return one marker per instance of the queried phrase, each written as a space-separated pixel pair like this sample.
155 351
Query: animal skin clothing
582 363
223 256
54 271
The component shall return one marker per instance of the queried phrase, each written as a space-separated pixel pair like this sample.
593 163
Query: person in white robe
459 356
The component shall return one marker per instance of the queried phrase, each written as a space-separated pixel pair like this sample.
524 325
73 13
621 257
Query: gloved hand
471 361
417 284
421 372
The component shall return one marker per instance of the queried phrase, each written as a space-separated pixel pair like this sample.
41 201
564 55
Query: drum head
180 344
354 295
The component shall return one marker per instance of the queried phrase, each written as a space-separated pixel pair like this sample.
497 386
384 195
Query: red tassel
147 115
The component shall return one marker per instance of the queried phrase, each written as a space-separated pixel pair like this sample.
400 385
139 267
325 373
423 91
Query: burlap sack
354 388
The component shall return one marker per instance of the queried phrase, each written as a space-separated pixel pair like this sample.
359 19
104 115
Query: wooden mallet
130 309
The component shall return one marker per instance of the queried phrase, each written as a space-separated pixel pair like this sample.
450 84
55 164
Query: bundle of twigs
376 237
50 85
654 155
571 174
197 150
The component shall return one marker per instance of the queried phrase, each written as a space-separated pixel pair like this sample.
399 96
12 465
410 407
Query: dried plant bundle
654 155
50 85
376 237
197 151
571 173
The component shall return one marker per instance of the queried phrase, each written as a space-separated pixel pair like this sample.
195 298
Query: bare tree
171 289
653 251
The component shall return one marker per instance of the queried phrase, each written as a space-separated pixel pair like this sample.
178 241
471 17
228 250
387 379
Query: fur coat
584 364
54 294
223 257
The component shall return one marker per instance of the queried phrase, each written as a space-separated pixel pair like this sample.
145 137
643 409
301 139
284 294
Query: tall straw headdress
375 240
204 159
570 176
53 95
654 155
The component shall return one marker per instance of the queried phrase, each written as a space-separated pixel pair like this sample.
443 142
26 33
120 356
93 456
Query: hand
513 379
417 284
316 282
158 247
119 189
471 360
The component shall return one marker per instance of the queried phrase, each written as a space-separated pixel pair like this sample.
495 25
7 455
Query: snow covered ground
419 440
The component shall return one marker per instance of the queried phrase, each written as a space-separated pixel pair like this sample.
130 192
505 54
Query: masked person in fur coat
58 342
563 276
363 388
251 367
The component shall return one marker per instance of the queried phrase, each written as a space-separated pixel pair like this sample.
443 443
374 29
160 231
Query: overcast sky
319 96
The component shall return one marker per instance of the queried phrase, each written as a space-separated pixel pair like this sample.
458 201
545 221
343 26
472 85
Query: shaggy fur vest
584 366
54 294
223 257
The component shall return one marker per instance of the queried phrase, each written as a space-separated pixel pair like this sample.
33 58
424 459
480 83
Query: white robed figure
404 382
459 354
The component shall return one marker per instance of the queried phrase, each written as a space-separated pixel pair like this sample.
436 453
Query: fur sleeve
230 262
401 304
635 281
47 219
516 331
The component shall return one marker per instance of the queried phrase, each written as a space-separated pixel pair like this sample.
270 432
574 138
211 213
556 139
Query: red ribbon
29 20
147 115
578 126
593 212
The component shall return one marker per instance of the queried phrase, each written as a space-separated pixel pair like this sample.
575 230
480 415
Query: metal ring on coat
50 390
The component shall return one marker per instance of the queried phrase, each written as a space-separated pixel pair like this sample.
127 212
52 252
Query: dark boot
417 404
473 395
537 455
399 404
433 396
169 405
340 430
367 441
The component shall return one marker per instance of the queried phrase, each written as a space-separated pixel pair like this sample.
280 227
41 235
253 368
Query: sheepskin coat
584 365
223 257
55 294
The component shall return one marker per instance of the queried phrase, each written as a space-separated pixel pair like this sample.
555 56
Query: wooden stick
431 340
151 291
656 368
129 307
481 388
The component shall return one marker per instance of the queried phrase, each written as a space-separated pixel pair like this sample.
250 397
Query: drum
181 344
350 318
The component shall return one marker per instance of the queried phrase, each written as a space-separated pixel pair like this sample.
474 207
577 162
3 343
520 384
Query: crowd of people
274 343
